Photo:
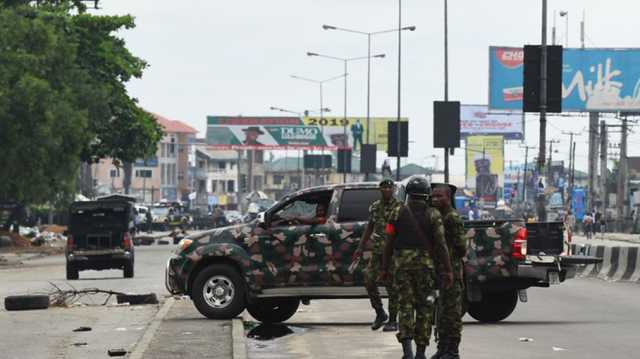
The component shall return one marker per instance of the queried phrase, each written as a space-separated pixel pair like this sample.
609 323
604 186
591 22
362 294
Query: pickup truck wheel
128 269
219 292
494 306
273 310
72 272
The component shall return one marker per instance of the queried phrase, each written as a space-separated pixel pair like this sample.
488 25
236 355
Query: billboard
478 120
592 79
311 133
485 166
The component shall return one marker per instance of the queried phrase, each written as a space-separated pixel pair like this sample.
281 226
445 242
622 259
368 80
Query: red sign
510 58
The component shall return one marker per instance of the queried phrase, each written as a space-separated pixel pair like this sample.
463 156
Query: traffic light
392 139
344 160
368 158
531 83
446 124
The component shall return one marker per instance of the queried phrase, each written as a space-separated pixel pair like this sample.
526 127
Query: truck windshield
160 211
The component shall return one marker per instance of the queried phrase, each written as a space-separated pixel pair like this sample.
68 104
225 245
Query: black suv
100 236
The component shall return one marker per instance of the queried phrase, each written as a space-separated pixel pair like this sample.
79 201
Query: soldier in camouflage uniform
449 325
416 239
379 213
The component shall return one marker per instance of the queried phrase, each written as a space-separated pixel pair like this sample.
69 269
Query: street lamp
345 61
319 83
369 35
565 14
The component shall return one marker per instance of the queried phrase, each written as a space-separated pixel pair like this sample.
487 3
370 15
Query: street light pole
542 213
345 61
399 137
446 80
369 35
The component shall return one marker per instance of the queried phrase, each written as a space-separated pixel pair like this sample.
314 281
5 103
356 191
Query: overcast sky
235 57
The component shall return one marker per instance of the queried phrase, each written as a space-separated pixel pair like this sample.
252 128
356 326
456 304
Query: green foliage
63 98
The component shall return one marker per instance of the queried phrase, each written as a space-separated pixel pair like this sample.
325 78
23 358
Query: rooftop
173 126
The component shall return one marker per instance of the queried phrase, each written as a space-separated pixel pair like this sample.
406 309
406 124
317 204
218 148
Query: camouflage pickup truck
271 265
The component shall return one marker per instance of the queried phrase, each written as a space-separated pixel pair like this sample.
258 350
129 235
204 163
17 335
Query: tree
63 98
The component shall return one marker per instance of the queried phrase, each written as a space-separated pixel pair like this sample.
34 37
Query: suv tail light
519 246
126 240
70 243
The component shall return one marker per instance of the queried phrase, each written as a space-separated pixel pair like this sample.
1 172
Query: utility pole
446 80
603 166
572 163
399 136
621 191
541 210
526 169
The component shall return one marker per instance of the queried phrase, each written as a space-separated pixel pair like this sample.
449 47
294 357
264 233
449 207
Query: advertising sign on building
485 166
311 133
593 79
478 120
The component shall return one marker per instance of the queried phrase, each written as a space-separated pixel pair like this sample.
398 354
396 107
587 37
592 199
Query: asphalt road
585 318
49 333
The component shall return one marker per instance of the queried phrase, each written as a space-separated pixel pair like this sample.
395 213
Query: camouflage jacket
456 239
379 213
438 253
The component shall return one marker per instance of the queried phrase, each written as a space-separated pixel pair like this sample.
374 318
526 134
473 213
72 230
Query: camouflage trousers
371 284
415 284
450 313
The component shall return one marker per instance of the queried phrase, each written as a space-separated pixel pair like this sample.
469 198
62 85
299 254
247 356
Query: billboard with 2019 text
592 79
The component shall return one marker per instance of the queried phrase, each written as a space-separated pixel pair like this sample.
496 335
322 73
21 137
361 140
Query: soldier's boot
420 352
451 350
442 346
381 317
407 350
392 324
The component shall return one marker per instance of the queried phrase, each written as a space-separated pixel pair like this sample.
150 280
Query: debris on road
26 302
558 349
81 344
523 339
137 299
82 329
117 352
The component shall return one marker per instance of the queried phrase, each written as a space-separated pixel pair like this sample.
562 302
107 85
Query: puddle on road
269 331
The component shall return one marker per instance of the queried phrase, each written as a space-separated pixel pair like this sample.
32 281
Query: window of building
257 183
231 186
163 174
115 173
221 165
163 150
277 179
355 204
214 186
172 147
223 186
258 156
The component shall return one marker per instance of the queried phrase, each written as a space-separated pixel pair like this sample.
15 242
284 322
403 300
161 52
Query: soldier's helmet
418 187
386 183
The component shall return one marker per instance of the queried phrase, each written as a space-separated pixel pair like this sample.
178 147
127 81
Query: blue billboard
592 79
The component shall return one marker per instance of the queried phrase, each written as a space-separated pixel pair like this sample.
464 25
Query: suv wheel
494 306
219 292
273 310
72 272
128 269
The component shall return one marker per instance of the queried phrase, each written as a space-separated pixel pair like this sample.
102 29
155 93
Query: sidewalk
180 331
620 253
609 239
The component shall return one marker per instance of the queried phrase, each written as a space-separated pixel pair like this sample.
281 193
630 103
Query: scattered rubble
117 352
82 329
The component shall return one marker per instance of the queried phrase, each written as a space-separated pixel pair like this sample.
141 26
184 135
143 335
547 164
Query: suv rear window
355 204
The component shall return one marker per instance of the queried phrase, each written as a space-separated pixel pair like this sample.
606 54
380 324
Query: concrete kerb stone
143 344
619 263
239 345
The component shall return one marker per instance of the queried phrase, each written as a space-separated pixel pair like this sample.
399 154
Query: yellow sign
485 159
356 128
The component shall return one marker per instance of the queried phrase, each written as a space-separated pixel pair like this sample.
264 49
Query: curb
143 344
618 263
239 344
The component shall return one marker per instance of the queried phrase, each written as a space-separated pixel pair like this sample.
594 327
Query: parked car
270 265
100 236
160 217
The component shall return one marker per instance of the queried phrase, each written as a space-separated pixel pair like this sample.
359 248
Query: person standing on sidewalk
569 224
415 242
450 311
379 213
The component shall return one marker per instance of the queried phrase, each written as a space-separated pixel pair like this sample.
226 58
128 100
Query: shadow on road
534 322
